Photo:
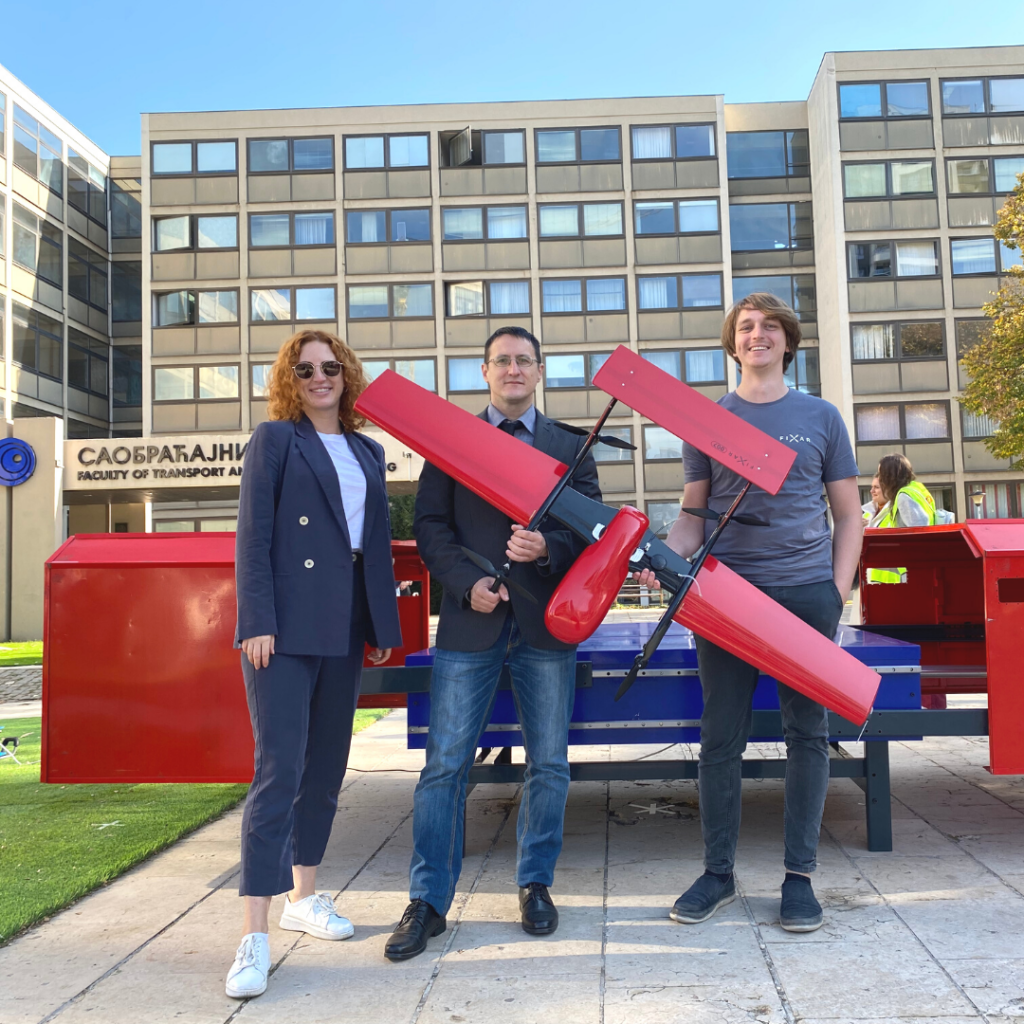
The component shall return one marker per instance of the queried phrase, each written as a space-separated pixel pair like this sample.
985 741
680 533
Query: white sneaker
248 974
316 916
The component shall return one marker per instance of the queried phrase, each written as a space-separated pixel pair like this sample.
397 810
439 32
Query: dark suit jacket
449 515
290 513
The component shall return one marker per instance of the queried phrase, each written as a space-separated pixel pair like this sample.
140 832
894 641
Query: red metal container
963 602
140 679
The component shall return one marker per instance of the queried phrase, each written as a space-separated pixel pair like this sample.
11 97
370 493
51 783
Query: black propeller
499 576
609 439
706 513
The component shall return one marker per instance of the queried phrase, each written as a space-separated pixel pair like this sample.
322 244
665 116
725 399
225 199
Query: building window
909 421
883 100
125 208
37 151
796 290
680 291
287 304
127 376
888 342
673 142
976 425
496 223
469 148
37 245
464 374
390 301
676 217
875 259
199 231
189 383
661 445
981 256
87 274
195 157
571 220
694 365
662 514
969 333
283 156
760 227
87 188
375 226
369 152
577 145
126 291
419 371
178 309
589 295
889 178
488 298
768 154
605 452
994 500
984 175
284 230
572 371
37 342
983 96
803 373
3 123
88 360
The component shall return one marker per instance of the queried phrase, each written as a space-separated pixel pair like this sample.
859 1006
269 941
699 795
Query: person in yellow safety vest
872 507
907 502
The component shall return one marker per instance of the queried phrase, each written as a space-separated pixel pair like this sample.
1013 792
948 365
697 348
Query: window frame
588 371
579 147
580 220
683 377
986 95
642 447
1014 495
390 318
486 282
195 322
893 263
991 191
290 140
449 390
61 158
195 368
194 173
292 302
785 132
898 357
679 292
889 194
884 99
89 352
391 360
964 436
903 439
678 232
388 211
999 270
585 310
41 239
31 316
808 247
485 220
675 156
100 261
193 229
958 344
386 166
292 244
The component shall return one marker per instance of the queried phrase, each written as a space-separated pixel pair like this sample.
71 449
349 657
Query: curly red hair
284 399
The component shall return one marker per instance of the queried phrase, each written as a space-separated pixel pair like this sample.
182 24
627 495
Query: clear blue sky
216 55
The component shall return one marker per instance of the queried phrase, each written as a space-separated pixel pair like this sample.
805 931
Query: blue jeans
463 688
728 684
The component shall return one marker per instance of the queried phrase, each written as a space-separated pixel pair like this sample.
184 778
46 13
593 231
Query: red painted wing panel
729 611
512 476
715 431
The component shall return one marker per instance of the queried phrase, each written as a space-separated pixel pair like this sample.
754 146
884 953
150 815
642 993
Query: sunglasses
330 368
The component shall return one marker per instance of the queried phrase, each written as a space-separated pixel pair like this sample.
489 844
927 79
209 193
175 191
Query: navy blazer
293 555
449 515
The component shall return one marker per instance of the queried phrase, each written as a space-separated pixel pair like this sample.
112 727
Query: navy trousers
301 708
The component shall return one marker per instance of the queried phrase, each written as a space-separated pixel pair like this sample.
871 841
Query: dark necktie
512 427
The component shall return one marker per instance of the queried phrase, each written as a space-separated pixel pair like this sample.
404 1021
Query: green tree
996 363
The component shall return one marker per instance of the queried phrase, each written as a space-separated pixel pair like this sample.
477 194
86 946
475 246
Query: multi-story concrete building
414 231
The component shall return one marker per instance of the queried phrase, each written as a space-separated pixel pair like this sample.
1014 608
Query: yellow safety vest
920 494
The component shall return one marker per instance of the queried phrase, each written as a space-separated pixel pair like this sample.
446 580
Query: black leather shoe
539 914
419 923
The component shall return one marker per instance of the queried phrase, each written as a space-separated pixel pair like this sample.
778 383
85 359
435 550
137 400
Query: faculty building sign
133 462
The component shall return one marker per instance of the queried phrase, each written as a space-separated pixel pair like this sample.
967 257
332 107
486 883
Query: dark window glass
268 155
758 227
125 208
410 225
870 260
921 341
797 291
365 225
599 144
695 140
968 334
87 188
312 155
126 291
37 342
756 154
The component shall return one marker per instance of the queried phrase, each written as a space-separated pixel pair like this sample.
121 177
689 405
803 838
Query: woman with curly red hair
315 585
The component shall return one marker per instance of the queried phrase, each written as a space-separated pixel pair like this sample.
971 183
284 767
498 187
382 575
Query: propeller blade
751 520
500 577
615 442
702 513
480 562
520 590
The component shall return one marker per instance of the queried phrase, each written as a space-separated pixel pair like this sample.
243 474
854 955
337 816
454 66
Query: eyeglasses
504 362
330 368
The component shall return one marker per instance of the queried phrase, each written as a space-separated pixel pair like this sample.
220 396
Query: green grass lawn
28 653
58 843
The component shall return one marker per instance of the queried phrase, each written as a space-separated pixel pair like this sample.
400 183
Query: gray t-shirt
797 547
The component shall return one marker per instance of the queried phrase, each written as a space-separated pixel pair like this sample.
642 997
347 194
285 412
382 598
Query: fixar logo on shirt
793 438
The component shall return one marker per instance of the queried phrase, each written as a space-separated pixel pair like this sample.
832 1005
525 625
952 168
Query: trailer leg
877 796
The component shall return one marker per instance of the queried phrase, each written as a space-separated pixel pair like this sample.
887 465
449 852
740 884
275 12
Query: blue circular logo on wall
17 461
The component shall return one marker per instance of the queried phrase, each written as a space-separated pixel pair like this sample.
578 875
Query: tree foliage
996 363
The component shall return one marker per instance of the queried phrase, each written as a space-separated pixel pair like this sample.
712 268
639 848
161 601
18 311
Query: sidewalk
931 932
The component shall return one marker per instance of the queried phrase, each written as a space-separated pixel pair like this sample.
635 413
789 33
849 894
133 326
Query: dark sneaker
800 911
702 899
539 916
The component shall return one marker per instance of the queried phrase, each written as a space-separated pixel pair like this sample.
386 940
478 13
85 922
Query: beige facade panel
366 184
874 215
383 334
257 413
215 266
971 292
87 227
369 335
663 476
930 375
579 403
472 401
217 340
463 256
219 416
977 458
604 252
972 211
269 188
300 262
39 195
314 262
662 174
270 337
773 259
930 458
601 328
616 478
561 254
507 255
474 331
3 171
173 266
169 418
174 341
885 296
483 181
284 188
579 178
367 259
270 262
919 294
411 259
193 191
770 186
876 378
1007 130
870 136
35 288
408 184
312 187
92 318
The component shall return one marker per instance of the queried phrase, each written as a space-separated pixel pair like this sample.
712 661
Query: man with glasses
478 631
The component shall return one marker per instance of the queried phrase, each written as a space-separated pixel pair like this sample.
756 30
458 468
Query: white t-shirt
352 483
